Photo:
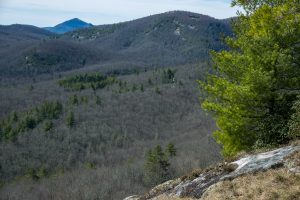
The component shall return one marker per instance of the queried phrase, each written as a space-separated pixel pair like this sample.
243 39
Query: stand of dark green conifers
158 167
81 82
256 82
19 122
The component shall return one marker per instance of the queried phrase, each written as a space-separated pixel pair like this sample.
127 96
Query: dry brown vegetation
269 185
165 197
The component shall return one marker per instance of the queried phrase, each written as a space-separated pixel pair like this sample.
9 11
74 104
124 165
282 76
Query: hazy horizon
44 13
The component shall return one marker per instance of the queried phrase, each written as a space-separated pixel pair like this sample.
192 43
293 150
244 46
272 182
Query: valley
122 89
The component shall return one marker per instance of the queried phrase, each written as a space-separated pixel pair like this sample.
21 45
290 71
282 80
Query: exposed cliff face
266 168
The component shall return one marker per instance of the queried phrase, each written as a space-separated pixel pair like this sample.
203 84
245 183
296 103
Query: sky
44 13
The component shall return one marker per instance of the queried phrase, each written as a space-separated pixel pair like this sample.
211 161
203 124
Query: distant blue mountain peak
69 25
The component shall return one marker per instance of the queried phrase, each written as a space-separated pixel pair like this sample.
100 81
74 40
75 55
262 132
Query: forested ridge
167 39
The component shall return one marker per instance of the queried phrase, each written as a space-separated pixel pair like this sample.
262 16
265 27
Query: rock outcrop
196 184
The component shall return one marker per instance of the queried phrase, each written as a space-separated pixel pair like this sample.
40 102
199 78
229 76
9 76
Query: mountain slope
113 129
14 41
171 38
19 31
67 26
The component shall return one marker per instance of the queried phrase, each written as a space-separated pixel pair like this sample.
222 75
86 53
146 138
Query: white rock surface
134 197
191 27
177 31
261 161
195 188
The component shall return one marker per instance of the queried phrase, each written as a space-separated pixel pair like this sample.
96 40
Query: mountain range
171 38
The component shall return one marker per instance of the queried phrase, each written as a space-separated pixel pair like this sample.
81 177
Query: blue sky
51 12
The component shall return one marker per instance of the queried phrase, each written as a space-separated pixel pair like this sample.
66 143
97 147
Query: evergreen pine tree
170 150
255 83
157 166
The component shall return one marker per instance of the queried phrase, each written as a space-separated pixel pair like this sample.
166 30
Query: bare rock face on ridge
262 161
195 187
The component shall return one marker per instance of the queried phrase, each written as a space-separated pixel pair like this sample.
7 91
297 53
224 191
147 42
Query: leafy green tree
255 82
157 165
252 5
171 150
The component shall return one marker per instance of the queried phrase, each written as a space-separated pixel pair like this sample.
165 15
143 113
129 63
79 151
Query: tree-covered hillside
80 111
66 128
172 38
